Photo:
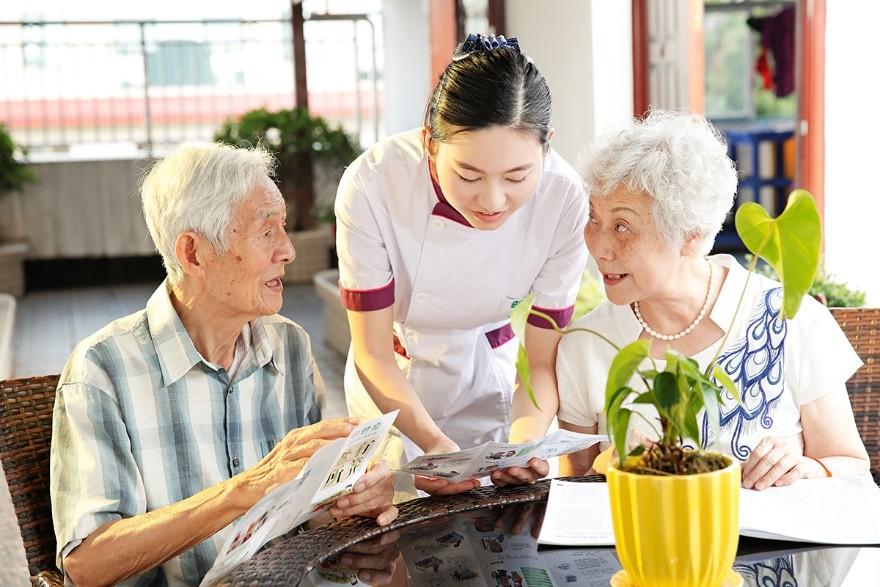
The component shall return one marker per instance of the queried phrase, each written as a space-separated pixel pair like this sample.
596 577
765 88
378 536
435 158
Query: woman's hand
436 485
776 462
534 470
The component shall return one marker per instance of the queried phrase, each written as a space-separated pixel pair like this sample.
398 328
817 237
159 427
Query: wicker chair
862 328
25 434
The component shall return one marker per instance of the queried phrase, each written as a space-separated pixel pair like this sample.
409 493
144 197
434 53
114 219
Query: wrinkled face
488 174
621 234
247 277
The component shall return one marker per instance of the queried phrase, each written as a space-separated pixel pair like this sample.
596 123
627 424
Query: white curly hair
198 187
677 158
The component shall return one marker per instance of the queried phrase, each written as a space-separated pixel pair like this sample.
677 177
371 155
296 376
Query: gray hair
198 188
680 161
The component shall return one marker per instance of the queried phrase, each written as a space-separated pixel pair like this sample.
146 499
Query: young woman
441 231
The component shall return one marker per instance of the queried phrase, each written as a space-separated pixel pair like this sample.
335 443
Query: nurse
441 231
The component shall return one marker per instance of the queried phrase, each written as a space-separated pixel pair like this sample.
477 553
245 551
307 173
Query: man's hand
534 470
289 456
371 497
437 485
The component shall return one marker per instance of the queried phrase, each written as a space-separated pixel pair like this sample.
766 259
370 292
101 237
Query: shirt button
436 224
421 298
236 462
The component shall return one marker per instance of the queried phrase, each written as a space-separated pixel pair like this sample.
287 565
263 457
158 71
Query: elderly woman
660 190
172 422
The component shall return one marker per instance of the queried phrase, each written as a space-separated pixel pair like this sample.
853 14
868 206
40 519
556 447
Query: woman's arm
373 346
831 441
831 436
579 463
527 421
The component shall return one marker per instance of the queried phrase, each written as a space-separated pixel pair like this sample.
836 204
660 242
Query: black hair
486 87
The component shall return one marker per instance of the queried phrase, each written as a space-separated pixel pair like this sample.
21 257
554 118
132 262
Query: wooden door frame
810 84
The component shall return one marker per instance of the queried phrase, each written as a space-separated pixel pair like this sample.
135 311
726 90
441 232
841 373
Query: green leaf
666 391
618 435
524 372
713 409
646 398
625 364
790 243
724 379
690 427
519 315
637 451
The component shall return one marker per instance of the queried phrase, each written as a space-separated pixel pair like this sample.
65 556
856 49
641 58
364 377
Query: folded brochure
481 460
330 473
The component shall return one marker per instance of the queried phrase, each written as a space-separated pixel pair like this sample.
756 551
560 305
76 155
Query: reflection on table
498 547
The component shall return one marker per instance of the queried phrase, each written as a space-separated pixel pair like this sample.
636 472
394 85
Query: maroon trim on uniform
561 316
367 300
399 348
500 335
444 208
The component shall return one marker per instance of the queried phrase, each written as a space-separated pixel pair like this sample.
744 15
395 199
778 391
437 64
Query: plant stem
742 295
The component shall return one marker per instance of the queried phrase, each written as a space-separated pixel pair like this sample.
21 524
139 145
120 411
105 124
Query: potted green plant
668 502
14 174
307 148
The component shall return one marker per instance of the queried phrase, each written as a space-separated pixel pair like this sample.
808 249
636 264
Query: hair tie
476 43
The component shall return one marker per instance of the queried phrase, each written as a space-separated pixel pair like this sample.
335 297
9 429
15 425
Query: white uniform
452 286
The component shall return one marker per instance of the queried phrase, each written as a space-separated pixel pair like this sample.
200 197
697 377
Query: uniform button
421 298
436 224
236 462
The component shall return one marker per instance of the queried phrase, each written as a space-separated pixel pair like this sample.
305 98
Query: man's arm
130 546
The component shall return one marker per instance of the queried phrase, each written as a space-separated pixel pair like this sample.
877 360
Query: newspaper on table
481 460
837 510
330 473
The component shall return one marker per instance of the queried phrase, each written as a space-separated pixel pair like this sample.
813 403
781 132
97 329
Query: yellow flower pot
678 530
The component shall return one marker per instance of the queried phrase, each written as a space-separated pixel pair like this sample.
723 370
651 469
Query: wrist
817 469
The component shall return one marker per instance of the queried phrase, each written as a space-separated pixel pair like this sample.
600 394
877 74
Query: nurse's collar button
421 298
436 224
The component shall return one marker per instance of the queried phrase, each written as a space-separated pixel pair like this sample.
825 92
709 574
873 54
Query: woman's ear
428 142
692 244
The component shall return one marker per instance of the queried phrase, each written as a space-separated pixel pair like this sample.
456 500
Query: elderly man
172 422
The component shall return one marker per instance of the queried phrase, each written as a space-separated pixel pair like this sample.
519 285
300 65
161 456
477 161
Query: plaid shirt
143 421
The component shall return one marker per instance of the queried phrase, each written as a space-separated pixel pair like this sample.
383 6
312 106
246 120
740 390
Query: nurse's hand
536 469
438 486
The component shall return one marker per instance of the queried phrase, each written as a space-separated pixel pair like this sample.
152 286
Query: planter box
336 331
7 323
12 268
312 254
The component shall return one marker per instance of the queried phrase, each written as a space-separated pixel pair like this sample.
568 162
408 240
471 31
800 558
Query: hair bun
477 43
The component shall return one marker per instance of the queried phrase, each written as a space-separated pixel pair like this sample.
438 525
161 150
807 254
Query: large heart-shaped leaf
625 364
524 373
790 243
520 315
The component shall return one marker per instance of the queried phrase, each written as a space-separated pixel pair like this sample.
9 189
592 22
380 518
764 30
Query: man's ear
190 248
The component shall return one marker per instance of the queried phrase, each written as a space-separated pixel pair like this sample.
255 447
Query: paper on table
578 514
481 460
825 511
839 510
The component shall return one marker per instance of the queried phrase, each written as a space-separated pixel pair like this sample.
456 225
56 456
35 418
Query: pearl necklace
690 327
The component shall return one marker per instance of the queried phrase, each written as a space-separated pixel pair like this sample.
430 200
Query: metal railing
126 87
